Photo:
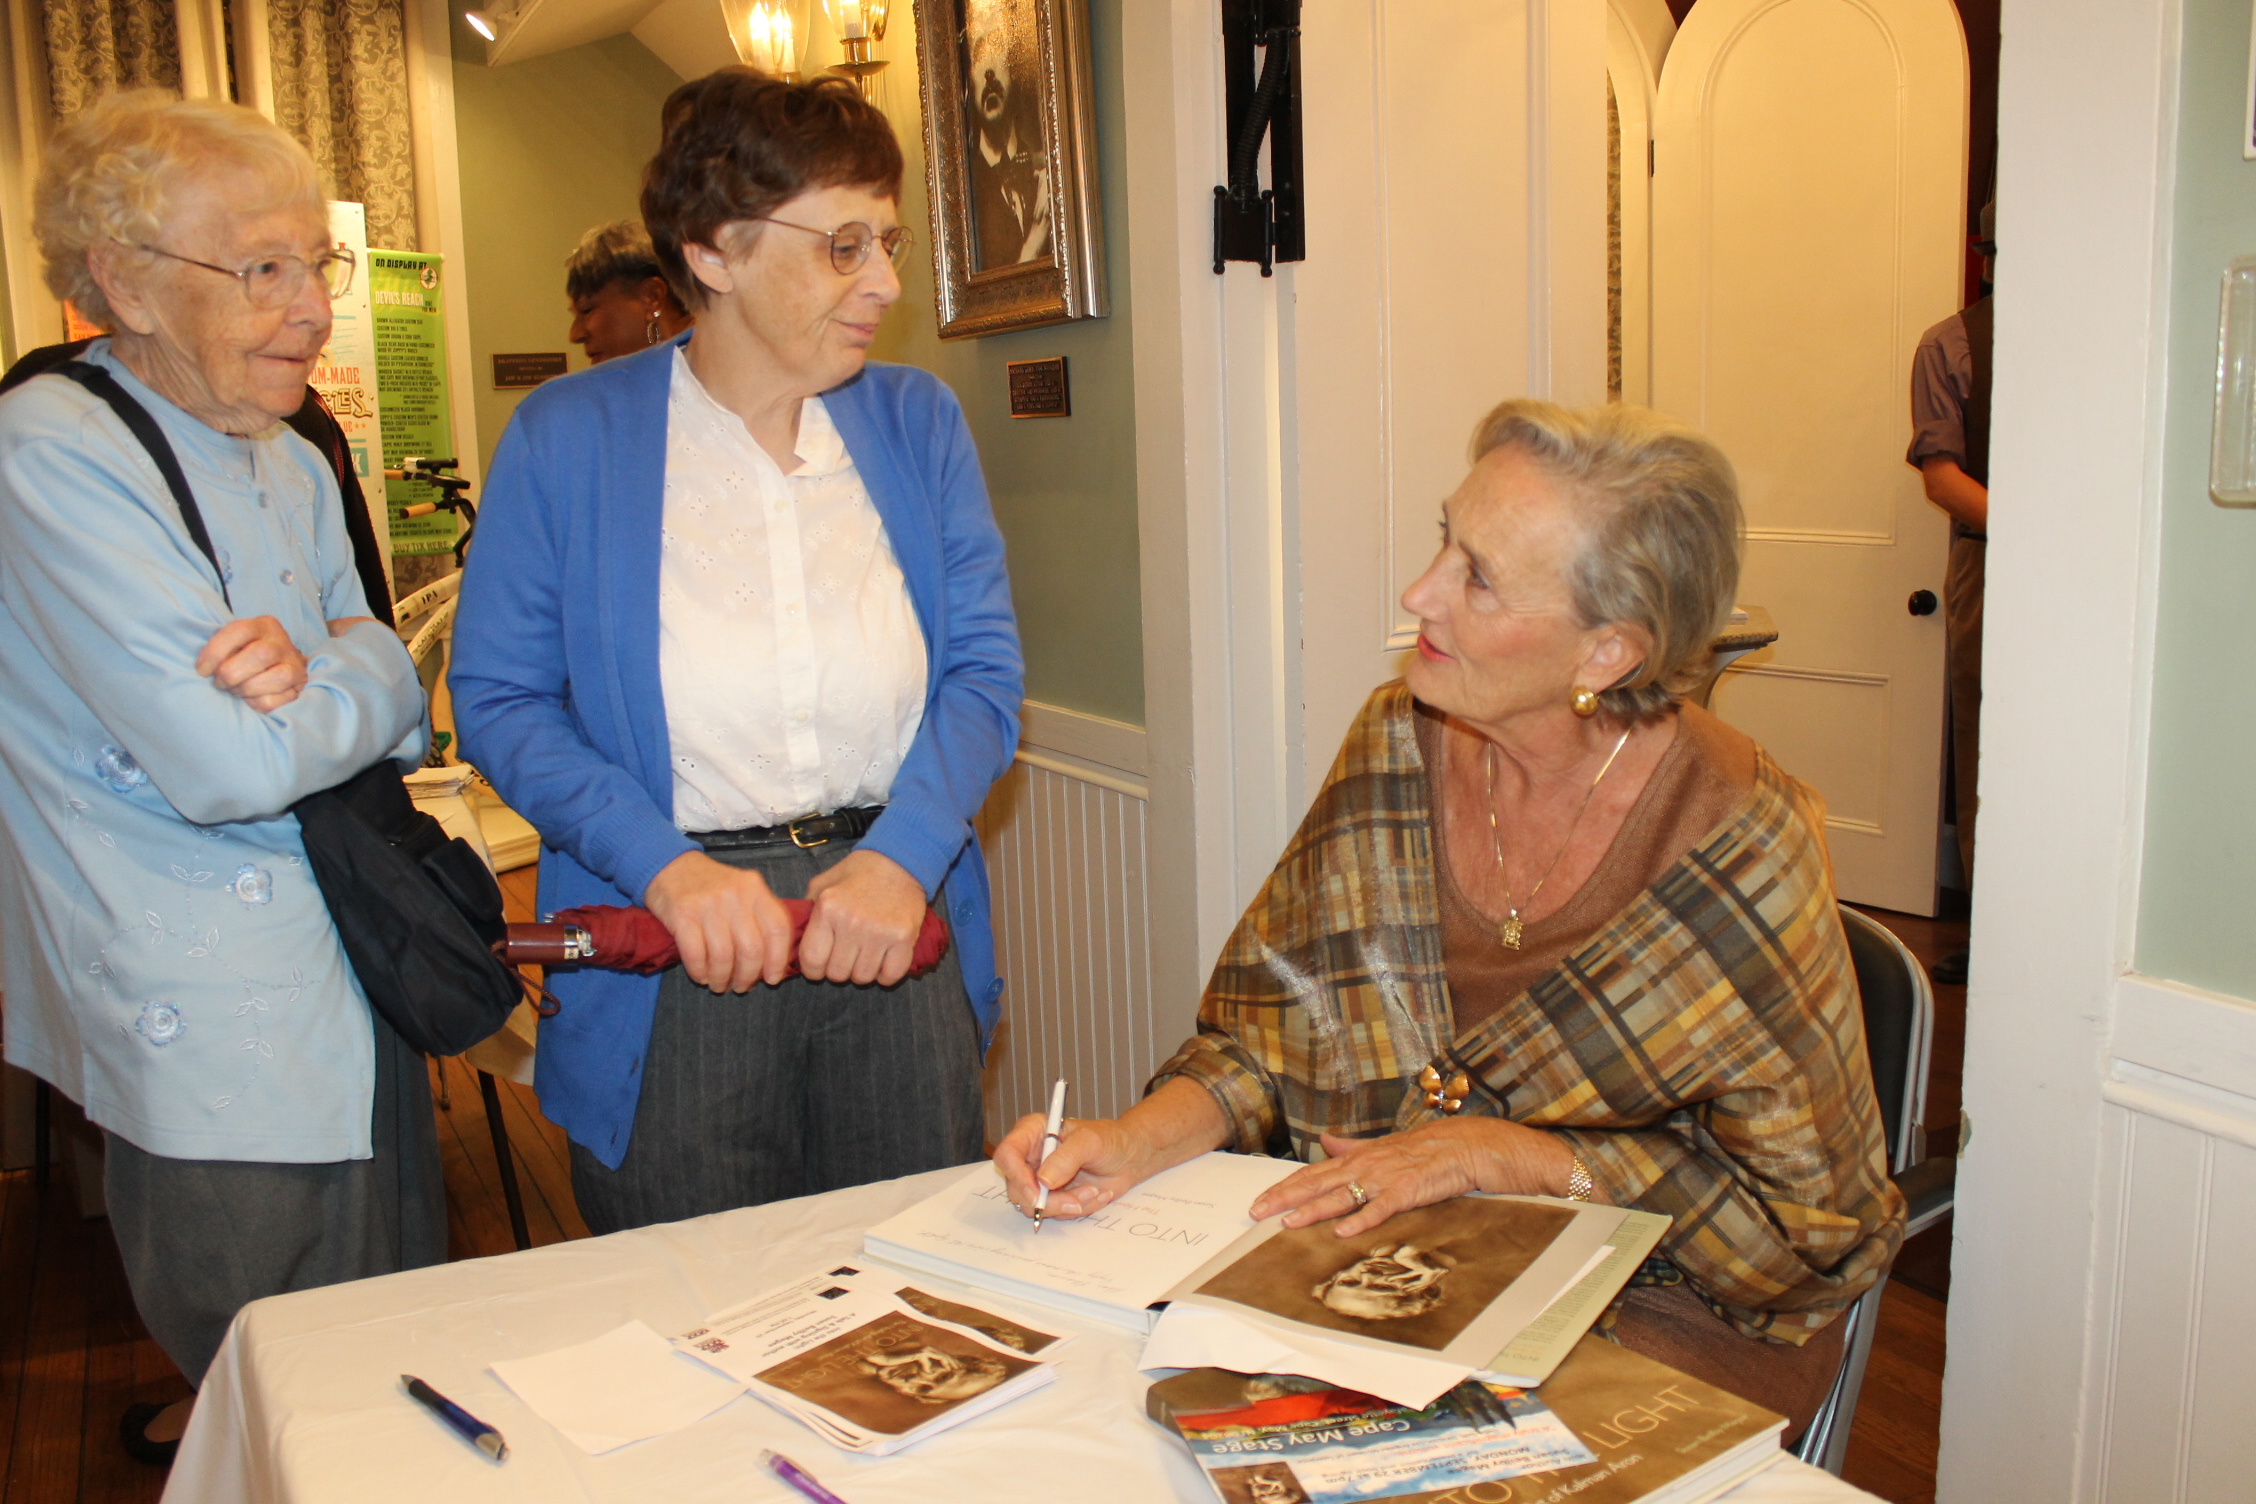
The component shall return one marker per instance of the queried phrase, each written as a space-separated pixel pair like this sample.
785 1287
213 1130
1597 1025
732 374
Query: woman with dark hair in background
737 628
619 297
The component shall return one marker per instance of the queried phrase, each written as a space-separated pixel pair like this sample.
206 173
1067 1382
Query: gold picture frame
1010 158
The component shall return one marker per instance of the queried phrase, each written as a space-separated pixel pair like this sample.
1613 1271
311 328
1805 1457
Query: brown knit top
1701 780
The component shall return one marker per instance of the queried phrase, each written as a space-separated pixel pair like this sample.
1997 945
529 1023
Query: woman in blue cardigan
737 628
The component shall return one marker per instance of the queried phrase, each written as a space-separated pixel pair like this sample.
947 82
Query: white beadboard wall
2169 1416
1063 832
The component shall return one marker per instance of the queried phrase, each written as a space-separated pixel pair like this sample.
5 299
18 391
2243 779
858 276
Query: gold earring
1585 701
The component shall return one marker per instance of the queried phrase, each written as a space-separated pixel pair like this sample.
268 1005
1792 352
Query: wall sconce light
859 26
495 18
770 35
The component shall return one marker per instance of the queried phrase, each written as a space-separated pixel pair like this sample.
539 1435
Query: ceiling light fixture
481 23
770 35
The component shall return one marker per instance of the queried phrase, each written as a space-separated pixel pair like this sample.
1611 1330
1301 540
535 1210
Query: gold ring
1362 1197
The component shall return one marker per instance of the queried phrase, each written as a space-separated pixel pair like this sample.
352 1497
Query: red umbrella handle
634 939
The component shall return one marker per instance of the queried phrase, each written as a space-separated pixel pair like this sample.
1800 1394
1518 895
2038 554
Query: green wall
2197 912
1064 489
548 148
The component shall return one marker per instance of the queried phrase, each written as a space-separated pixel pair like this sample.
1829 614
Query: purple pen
798 1477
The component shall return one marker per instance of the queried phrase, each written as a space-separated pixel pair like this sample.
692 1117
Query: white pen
1050 1132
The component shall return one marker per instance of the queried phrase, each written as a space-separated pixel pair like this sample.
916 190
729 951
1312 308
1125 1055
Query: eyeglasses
850 243
276 281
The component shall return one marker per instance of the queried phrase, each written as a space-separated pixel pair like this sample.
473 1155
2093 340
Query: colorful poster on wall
405 288
346 373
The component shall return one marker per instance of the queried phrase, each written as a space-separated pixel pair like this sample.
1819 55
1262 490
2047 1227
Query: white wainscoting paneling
1064 834
2173 1365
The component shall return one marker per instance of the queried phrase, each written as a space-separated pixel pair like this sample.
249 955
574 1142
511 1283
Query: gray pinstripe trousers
791 1090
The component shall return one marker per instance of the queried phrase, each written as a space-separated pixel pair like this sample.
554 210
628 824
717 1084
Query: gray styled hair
116 172
1659 508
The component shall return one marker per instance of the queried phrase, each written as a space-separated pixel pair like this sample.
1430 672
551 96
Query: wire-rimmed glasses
850 243
275 281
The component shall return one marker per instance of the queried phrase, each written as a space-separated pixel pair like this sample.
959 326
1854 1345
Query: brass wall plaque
527 370
1038 388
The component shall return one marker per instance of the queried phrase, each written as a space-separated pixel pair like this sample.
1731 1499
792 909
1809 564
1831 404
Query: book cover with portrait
1457 1280
895 1373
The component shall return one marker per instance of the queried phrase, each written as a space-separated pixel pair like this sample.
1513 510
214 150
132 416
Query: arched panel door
1809 178
1638 33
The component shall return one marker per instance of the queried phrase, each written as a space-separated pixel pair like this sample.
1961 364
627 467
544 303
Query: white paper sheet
626 1386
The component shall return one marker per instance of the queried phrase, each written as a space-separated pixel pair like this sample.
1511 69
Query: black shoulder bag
417 910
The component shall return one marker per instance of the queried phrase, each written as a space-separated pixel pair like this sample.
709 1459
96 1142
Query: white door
1456 258
1808 182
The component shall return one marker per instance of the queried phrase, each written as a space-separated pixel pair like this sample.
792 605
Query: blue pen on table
798 1477
471 1429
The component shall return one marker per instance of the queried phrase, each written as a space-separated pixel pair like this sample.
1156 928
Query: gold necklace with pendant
1510 928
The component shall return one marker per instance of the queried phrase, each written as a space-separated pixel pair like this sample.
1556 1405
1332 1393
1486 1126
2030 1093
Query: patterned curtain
95 47
340 86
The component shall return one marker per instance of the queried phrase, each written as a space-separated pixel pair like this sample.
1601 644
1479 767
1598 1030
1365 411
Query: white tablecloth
303 1403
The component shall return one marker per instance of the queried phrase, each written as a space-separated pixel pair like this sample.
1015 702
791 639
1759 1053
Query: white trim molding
2064 1379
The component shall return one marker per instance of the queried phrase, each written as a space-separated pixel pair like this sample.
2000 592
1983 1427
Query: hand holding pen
1051 1130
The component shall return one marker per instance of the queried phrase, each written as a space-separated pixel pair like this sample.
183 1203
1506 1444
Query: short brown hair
1661 525
736 144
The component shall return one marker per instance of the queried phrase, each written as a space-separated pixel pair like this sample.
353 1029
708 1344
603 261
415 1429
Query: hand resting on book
1097 1159
1429 1163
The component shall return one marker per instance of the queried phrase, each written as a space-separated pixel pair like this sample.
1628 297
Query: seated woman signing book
1550 929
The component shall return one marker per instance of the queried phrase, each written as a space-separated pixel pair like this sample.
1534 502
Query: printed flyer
405 290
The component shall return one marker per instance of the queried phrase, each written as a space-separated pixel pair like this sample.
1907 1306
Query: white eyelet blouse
789 653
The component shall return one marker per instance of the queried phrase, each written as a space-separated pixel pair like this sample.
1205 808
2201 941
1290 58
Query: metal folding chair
1899 1030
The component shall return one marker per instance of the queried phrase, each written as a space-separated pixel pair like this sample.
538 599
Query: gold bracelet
1579 1183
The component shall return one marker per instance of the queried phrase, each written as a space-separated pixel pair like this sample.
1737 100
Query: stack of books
869 1362
1610 1427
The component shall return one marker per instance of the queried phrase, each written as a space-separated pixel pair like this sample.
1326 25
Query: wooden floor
73 1354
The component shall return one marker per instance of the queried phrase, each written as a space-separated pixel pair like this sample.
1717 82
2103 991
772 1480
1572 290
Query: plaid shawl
1703 1052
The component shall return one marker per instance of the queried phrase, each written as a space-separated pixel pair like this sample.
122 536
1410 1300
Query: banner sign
405 288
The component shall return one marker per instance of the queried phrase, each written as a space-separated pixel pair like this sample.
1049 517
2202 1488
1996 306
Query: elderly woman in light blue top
169 961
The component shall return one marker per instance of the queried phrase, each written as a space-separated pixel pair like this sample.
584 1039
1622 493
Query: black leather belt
807 831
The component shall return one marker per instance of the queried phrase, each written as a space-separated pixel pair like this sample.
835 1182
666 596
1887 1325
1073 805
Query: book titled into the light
1112 1266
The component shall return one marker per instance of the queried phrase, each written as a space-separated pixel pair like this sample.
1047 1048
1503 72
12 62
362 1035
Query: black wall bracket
1252 223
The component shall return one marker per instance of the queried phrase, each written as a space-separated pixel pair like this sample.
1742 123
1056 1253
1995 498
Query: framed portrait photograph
1010 158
